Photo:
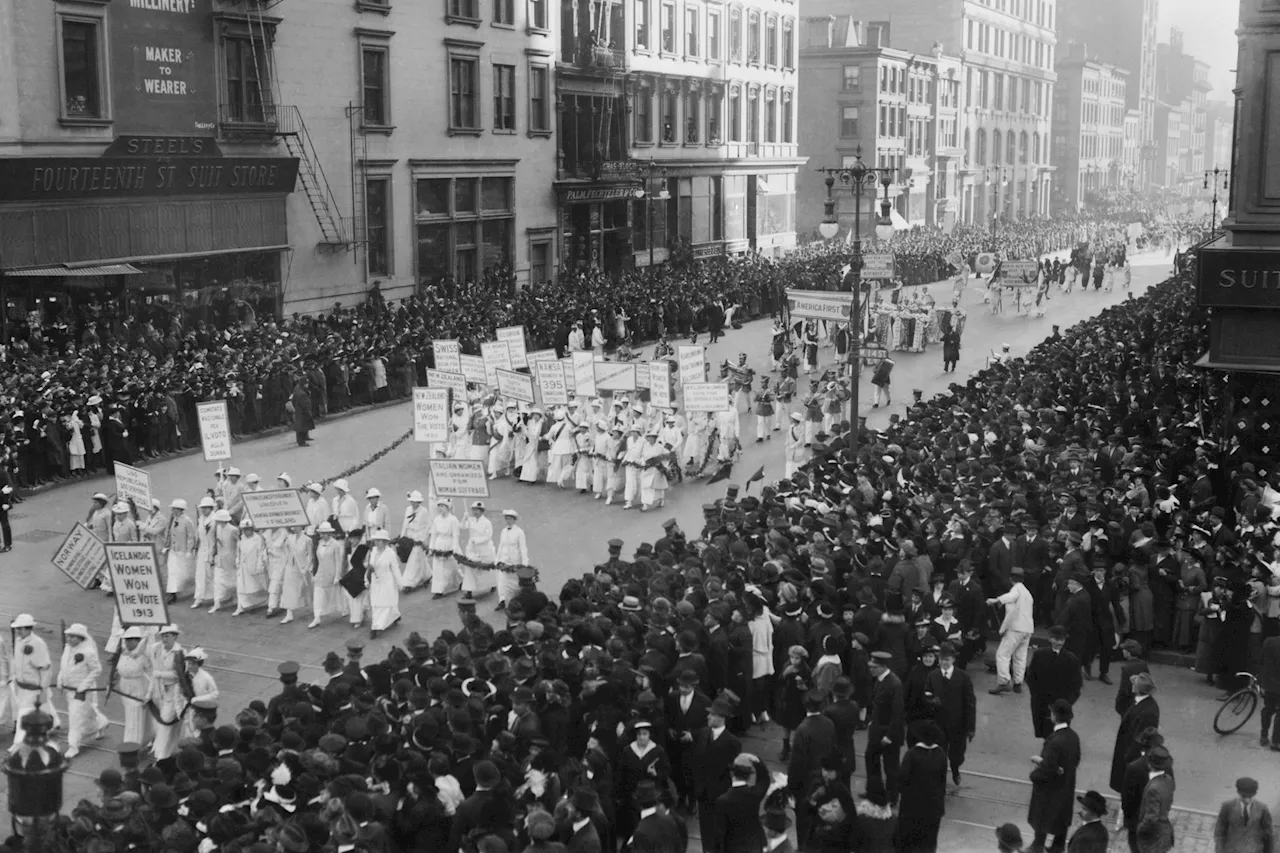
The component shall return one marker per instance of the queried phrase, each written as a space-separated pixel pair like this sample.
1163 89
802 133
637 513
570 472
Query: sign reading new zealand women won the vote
162 66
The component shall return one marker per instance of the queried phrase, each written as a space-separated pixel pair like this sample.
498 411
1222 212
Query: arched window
997 139
1010 149
1022 147
967 149
980 152
1035 147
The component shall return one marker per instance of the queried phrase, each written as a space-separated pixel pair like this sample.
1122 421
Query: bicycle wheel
1235 712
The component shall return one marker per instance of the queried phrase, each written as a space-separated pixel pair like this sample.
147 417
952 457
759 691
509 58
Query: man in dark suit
813 739
951 690
583 835
1053 781
491 807
775 824
1131 650
845 714
1244 825
690 659
686 714
1031 552
737 811
1143 714
1076 617
885 725
1000 562
657 831
1092 836
714 749
1053 673
303 416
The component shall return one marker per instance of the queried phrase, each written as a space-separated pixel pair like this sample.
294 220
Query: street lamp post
995 199
649 198
858 178
1214 173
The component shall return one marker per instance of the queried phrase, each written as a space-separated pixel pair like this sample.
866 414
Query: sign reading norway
81 556
459 478
163 58
135 580
273 508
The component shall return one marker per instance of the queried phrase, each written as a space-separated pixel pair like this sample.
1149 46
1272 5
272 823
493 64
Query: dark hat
615 544
355 647
1057 632
1094 802
585 799
288 669
646 794
1061 708
1247 787
1133 647
946 650
161 797
775 820
486 774
1008 835
842 687
687 676
1159 759
721 708
882 657
110 781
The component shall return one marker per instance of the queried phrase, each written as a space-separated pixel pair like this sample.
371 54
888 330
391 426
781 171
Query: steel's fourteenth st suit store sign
163 59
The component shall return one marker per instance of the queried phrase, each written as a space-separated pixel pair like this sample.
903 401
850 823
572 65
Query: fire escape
255 112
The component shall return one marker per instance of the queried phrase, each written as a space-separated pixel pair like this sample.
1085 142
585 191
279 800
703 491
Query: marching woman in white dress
480 549
134 670
531 460
184 541
251 569
166 692
205 539
297 571
75 447
78 680
513 550
653 483
385 583
695 445
442 544
331 562
600 455
561 454
277 543
375 513
416 526
506 426
585 465
204 697
226 543
633 456
459 432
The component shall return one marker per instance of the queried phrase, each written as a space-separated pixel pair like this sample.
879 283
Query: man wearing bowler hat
1154 832
1244 825
1054 673
657 831
686 714
1053 781
714 749
1092 836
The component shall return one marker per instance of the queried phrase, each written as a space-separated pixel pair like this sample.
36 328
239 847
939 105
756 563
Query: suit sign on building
162 67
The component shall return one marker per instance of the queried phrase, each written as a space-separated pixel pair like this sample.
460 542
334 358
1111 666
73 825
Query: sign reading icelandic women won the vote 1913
133 483
514 338
272 508
496 356
215 430
515 386
693 361
162 56
706 397
431 414
446 355
136 583
81 556
459 478
551 383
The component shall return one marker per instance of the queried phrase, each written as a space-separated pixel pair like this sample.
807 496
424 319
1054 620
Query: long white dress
297 571
134 671
531 460
653 483
385 582
416 526
75 447
277 541
251 571
326 595
184 544
79 671
167 696
558 458
444 538
513 550
479 548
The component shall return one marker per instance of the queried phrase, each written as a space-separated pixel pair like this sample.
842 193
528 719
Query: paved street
566 535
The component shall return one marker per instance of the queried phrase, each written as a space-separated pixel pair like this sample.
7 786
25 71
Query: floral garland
665 463
713 439
360 466
505 568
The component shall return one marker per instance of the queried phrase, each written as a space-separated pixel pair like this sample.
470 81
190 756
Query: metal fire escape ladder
297 140
359 226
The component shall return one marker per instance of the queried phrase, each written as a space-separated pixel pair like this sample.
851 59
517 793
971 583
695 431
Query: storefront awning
79 272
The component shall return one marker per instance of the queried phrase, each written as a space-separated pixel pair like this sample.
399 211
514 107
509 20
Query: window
377 106
753 38
669 116
504 12
642 24
539 99
735 35
464 112
735 115
464 227
504 97
466 11
246 91
770 117
788 44
693 116
997 91
1011 148
788 117
884 120
539 262
849 122
771 41
377 211
713 34
538 14
668 27
715 108
691 40
82 69
644 115
852 78
753 116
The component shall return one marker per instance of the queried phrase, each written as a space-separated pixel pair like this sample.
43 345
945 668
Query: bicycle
1238 708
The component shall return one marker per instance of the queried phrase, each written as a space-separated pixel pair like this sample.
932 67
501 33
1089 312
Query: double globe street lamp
858 177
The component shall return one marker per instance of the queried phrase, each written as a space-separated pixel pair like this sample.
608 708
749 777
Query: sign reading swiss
136 583
446 354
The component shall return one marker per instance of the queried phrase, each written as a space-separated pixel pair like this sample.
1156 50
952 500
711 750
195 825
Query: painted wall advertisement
162 67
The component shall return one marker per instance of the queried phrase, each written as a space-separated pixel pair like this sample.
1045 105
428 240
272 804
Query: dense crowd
1094 486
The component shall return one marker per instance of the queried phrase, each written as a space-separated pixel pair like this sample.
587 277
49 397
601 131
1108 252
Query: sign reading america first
162 66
